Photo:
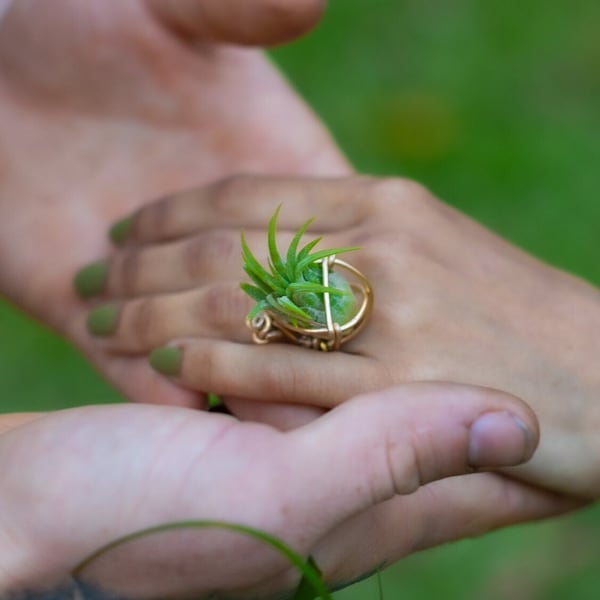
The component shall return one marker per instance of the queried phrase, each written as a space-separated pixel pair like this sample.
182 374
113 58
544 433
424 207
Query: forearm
14 558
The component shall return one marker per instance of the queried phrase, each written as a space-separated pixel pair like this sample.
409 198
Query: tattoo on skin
74 589
77 589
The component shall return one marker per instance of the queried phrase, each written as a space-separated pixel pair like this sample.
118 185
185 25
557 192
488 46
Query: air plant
292 287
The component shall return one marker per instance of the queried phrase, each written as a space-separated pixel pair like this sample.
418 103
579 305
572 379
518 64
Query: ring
268 327
294 296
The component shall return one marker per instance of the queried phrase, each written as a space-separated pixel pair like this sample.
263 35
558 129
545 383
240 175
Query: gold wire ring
267 327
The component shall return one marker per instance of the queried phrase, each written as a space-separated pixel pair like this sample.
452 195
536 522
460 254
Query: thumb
392 442
245 22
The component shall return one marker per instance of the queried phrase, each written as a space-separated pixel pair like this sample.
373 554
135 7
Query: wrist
19 558
17 568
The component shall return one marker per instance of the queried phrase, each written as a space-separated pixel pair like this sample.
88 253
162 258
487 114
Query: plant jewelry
302 299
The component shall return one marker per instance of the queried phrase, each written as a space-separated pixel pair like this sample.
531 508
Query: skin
317 488
453 302
133 99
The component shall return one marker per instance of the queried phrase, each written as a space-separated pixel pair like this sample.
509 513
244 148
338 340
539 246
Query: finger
248 202
284 417
248 22
133 376
393 442
139 326
440 512
271 373
207 257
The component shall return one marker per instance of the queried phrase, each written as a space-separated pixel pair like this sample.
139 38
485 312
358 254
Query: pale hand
357 488
107 105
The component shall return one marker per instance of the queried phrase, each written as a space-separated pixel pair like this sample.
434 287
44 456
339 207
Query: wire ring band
266 327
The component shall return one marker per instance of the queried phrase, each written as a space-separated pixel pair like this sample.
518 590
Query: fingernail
499 439
102 321
120 230
90 280
166 360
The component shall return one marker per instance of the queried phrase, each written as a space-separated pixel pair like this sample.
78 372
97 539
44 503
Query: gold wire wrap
267 327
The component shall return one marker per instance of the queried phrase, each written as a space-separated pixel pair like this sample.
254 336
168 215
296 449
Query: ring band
267 327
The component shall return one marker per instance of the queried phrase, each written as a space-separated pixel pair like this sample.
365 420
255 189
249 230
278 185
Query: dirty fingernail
120 230
89 281
499 439
102 320
166 360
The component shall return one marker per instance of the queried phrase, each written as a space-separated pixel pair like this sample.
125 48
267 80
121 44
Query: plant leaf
315 288
291 252
309 572
277 263
285 306
320 254
305 590
305 251
257 272
294 310
262 305
254 292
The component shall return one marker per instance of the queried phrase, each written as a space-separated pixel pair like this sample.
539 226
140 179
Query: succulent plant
292 286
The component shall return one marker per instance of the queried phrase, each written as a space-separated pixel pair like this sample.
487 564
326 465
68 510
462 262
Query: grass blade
309 572
305 590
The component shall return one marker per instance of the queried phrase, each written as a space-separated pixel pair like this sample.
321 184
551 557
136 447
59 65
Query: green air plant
292 287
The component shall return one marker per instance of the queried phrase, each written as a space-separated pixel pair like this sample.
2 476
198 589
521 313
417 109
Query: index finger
247 202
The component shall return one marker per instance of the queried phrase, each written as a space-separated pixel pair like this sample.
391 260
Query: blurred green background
493 104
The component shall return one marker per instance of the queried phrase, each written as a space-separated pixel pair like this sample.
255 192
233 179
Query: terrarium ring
269 327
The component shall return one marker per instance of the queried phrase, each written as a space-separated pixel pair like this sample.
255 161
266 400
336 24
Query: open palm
106 106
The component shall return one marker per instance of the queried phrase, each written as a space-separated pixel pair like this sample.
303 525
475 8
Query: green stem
310 573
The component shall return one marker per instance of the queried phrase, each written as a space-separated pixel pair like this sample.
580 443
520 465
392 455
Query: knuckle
281 379
152 222
397 471
142 323
225 306
203 374
404 194
225 193
124 272
388 253
206 251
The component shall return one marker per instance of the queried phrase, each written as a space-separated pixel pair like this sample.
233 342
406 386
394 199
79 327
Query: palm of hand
119 111
354 501
143 466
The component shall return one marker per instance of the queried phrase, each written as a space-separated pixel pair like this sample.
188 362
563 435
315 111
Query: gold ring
293 296
268 327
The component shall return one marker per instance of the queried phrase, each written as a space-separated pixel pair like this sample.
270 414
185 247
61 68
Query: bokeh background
495 106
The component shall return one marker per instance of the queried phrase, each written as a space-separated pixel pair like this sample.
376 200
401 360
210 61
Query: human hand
453 302
103 105
356 488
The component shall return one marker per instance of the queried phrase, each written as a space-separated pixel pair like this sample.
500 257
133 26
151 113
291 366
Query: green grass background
494 105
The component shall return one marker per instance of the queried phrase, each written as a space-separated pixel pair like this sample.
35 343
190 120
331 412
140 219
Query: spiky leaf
293 289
